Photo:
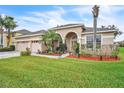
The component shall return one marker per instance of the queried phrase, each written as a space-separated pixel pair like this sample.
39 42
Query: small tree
76 49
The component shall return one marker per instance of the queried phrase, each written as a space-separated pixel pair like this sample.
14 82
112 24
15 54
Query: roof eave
58 28
108 31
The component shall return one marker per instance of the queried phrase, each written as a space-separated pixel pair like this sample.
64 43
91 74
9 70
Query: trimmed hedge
5 49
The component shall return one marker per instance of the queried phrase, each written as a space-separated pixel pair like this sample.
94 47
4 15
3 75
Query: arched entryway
70 40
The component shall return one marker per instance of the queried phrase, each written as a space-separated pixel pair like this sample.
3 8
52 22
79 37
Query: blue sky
40 17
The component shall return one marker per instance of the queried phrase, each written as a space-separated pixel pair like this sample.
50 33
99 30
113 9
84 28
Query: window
90 41
98 41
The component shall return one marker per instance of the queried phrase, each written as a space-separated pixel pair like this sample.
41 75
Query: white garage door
36 45
21 46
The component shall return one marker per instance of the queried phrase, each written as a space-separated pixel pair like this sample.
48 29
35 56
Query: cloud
82 10
46 19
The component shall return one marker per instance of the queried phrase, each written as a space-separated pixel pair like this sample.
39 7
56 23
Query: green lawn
43 72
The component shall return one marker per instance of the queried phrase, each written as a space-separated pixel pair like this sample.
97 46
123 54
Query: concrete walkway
9 54
50 56
15 54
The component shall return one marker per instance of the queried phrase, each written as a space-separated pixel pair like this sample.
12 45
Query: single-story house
70 34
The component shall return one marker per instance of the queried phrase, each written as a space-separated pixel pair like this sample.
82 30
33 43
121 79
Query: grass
31 71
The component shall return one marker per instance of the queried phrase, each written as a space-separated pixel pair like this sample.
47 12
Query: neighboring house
12 36
70 34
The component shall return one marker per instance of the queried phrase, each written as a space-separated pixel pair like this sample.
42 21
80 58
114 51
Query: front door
71 39
73 44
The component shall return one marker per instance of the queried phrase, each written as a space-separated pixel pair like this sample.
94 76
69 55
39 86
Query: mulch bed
96 58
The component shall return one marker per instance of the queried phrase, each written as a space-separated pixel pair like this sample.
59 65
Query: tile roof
90 29
67 26
23 31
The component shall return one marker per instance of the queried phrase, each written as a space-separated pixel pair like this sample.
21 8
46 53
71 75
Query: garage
35 46
22 45
32 41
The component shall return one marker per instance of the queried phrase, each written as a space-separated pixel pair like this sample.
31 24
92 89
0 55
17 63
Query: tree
49 37
9 25
1 28
95 15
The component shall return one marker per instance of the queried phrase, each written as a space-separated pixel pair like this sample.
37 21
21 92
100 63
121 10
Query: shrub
82 52
114 54
26 53
88 54
5 49
12 47
76 49
85 53
62 48
50 52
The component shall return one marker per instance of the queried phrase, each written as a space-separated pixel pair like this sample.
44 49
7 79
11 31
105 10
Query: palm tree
9 25
49 37
1 29
45 38
95 16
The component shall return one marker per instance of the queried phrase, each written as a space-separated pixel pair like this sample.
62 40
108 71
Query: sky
38 17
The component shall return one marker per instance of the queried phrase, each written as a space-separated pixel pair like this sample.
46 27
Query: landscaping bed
95 58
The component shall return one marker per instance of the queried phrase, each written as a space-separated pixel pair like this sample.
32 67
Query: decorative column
29 44
79 41
63 40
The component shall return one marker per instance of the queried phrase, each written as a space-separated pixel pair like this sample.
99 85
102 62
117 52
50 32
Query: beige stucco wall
13 38
28 38
107 38
64 32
